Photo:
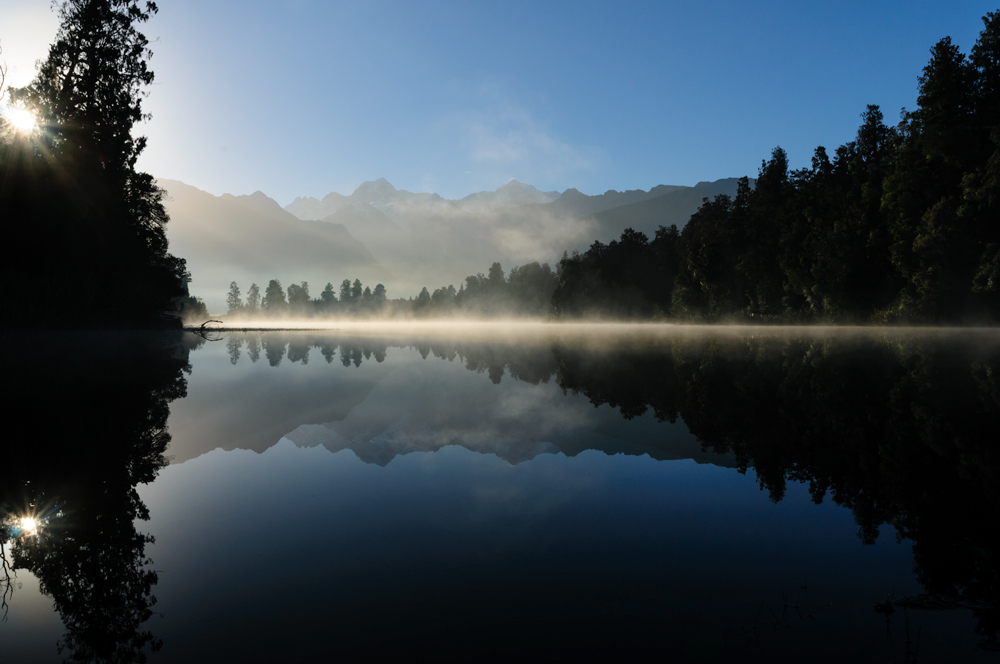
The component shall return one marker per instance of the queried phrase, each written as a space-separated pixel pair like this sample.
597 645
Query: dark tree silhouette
274 298
87 553
74 206
898 225
298 297
233 299
345 291
629 278
253 298
328 296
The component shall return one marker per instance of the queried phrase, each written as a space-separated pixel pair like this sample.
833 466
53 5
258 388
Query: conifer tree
77 207
233 298
253 298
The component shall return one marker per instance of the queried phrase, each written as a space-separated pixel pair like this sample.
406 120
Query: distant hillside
363 220
436 247
414 240
673 207
431 241
511 194
381 195
252 239
307 207
574 204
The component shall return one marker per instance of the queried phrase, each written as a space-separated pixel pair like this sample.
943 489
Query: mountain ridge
252 239
382 195
673 207
404 240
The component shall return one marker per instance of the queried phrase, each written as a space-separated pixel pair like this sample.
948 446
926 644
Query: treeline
527 290
900 224
628 278
276 302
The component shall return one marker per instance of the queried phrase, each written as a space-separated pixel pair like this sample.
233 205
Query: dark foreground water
737 495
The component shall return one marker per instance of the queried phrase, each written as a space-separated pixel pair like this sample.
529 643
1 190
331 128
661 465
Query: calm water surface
740 495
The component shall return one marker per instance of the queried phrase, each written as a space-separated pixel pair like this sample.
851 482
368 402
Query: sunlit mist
582 330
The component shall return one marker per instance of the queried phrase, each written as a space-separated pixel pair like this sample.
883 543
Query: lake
537 492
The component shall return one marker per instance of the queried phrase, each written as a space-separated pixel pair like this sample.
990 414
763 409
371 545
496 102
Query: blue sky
303 98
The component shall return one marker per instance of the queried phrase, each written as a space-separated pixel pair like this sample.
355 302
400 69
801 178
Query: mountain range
251 239
405 240
381 195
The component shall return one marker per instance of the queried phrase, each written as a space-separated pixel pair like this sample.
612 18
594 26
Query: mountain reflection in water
898 428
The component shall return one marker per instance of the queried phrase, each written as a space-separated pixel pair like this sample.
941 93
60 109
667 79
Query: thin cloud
509 141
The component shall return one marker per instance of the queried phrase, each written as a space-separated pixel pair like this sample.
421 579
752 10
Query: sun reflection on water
25 526
29 525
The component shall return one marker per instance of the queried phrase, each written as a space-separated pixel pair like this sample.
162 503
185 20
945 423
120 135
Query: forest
898 225
526 291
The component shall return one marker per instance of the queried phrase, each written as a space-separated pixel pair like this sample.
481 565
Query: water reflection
899 429
81 433
901 432
382 409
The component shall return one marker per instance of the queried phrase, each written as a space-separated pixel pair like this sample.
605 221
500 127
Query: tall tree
328 296
530 288
946 102
708 285
763 227
233 298
423 299
985 61
274 297
496 277
937 238
298 295
94 220
253 298
981 190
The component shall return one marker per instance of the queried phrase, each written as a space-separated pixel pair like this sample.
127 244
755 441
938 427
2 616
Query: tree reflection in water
901 432
898 428
84 427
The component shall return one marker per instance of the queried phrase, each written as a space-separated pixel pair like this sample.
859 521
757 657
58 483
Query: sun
29 526
22 120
